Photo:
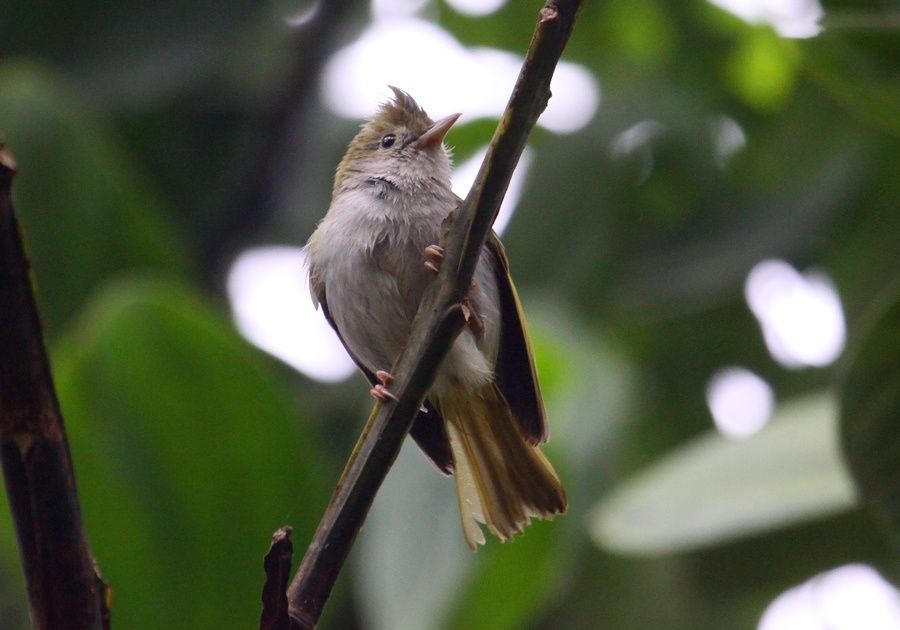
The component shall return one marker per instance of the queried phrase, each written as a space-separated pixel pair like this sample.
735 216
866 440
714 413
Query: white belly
373 286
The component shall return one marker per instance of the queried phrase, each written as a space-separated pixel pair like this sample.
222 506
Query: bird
370 260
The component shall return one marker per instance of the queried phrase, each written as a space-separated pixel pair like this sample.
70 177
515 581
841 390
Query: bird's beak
435 134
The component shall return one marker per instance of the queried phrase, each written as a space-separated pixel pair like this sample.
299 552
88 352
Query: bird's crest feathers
402 111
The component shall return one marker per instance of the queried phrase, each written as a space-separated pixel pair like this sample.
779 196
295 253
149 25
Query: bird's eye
388 140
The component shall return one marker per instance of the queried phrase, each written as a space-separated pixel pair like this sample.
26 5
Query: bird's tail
501 480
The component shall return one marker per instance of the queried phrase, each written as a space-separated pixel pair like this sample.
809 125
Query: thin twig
278 571
64 588
437 322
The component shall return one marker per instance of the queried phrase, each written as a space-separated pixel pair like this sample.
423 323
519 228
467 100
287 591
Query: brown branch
437 323
64 588
278 571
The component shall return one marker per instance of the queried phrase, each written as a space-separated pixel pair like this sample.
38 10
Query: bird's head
401 148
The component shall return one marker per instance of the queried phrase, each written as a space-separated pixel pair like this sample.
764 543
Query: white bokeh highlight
396 8
304 15
465 173
741 402
800 314
449 78
729 138
635 137
850 597
268 289
636 142
476 8
789 18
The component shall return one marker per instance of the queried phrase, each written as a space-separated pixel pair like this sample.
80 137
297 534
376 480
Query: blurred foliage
871 409
141 130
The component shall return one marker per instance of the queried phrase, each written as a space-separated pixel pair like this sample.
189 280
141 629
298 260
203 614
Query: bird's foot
434 256
385 377
380 392
472 320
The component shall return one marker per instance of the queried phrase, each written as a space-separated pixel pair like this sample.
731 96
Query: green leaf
762 71
642 30
411 554
864 84
85 210
188 454
714 489
870 414
414 569
514 580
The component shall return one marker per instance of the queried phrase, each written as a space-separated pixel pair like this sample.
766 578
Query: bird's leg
380 392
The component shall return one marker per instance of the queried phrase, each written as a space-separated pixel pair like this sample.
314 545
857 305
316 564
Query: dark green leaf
85 209
870 414
188 453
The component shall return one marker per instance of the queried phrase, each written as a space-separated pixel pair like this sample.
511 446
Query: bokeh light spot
740 402
449 78
304 15
396 8
728 138
476 8
268 289
636 143
789 18
464 176
800 314
850 597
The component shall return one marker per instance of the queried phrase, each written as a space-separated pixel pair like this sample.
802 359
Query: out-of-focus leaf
188 455
641 29
870 414
411 554
414 569
856 82
133 52
513 582
714 489
763 69
85 210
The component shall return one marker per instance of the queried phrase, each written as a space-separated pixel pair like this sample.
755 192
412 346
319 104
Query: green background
155 142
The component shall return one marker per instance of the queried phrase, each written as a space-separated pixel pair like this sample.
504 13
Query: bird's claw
382 394
386 378
472 320
434 256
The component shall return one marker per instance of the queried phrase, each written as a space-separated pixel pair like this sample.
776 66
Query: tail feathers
502 481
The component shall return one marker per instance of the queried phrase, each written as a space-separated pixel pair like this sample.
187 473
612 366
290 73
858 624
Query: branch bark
278 571
438 321
64 587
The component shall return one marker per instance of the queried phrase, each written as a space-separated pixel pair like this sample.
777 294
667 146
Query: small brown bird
370 260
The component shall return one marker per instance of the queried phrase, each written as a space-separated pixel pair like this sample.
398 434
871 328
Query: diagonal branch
438 321
64 588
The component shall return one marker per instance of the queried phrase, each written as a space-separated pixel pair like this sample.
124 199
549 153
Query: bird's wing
515 372
428 429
